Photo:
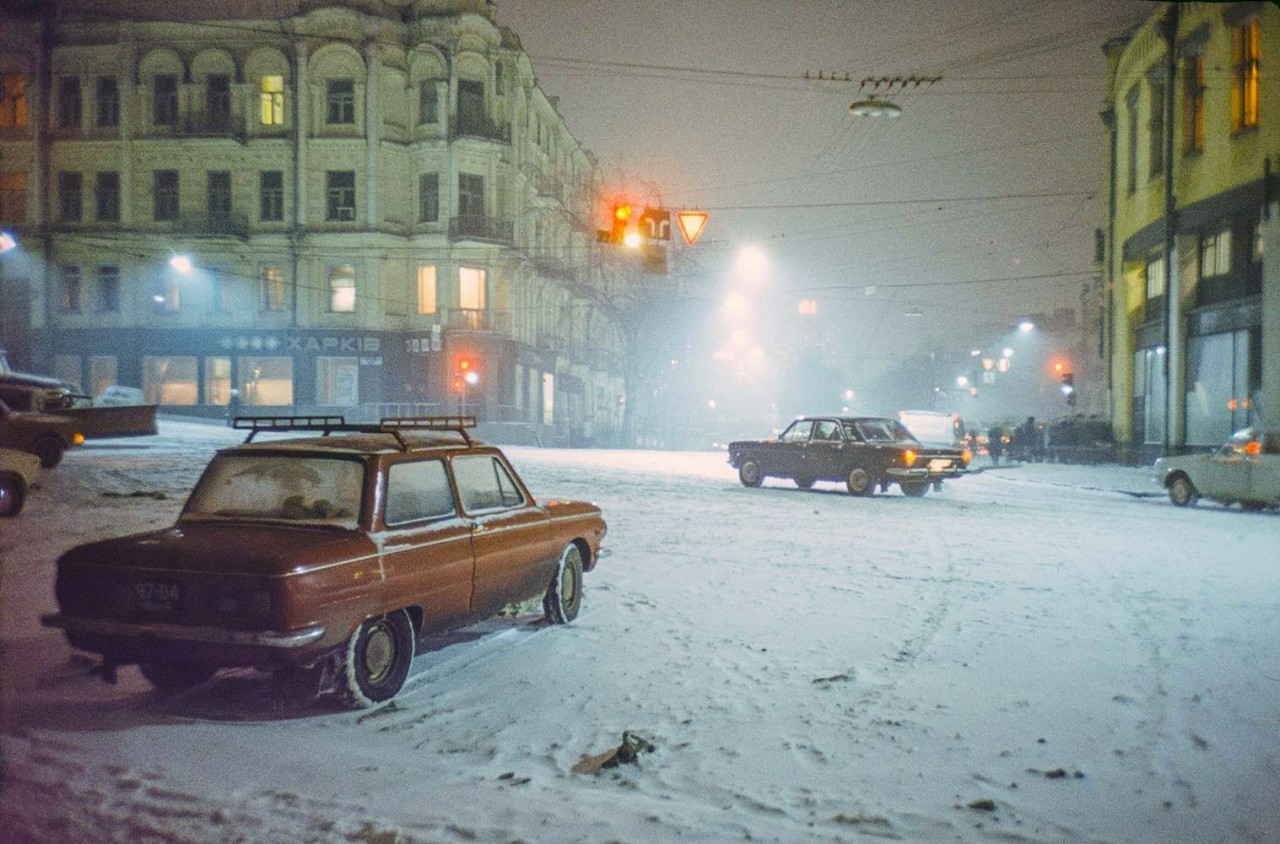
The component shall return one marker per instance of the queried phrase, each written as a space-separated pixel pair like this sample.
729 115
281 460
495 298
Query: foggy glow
1026 325
751 264
736 306
182 263
7 241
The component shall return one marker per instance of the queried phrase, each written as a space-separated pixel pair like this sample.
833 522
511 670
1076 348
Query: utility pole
1174 357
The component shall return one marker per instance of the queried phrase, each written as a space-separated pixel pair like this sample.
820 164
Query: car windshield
279 488
882 431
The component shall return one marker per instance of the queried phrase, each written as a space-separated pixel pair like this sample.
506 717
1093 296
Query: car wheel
13 494
1181 492
859 482
176 676
749 473
915 490
564 595
804 483
1252 506
376 660
49 450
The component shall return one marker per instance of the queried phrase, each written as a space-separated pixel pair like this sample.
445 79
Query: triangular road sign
691 224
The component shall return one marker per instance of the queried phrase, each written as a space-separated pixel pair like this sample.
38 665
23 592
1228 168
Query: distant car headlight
966 456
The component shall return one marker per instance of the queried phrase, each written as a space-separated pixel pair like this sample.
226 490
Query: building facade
1192 295
338 210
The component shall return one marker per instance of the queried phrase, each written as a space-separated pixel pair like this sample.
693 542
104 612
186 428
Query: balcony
476 319
478 227
234 224
479 126
215 124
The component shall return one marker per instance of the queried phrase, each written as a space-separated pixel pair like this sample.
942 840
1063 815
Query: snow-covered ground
1035 654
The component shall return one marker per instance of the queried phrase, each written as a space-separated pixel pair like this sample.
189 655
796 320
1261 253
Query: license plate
939 464
156 598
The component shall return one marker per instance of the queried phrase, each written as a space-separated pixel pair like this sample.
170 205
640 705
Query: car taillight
909 457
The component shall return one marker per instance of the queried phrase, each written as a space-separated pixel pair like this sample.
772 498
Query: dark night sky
702 104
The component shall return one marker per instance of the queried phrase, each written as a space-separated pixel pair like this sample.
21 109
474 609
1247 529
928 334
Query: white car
1245 470
18 471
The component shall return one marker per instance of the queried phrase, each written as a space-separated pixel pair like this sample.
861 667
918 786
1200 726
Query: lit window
170 380
273 101
471 288
342 289
13 100
1246 59
265 382
217 381
426 289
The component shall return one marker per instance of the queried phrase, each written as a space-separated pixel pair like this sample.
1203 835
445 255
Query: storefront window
337 381
1218 401
102 373
217 381
67 368
1148 381
170 380
266 382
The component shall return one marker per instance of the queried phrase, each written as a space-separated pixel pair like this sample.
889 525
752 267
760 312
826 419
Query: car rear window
279 488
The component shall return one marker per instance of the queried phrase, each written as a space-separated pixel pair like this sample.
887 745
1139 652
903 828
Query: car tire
749 473
564 595
13 494
804 483
172 677
1182 492
915 490
375 661
49 450
859 481
1253 506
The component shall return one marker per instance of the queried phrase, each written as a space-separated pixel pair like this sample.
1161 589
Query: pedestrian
995 444
1025 438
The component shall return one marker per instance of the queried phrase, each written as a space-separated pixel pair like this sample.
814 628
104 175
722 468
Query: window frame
339 195
340 103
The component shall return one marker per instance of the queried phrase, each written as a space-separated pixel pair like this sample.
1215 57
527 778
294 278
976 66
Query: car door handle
476 527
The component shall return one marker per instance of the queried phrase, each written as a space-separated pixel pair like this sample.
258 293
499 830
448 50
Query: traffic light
466 373
1069 387
619 218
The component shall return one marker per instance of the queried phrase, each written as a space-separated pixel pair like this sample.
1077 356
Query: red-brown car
328 556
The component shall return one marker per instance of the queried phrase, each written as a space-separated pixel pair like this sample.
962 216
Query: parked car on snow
18 471
45 435
1245 470
863 452
327 559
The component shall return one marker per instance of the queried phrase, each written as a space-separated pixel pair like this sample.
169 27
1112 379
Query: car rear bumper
923 473
126 641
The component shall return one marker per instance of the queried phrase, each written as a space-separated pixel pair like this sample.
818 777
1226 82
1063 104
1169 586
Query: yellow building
1193 113
368 193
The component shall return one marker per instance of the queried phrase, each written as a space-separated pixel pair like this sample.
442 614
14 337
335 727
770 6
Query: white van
933 428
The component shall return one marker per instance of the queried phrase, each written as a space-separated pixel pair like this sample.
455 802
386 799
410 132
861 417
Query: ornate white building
371 195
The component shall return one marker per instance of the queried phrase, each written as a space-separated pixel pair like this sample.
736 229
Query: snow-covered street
1037 653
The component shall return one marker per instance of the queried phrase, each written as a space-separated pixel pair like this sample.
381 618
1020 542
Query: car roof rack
393 425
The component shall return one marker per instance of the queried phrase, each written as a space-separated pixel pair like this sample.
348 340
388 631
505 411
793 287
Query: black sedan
863 452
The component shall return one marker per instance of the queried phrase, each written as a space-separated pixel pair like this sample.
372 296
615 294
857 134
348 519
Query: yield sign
691 224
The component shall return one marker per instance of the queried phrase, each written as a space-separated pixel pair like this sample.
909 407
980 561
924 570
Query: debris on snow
626 753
